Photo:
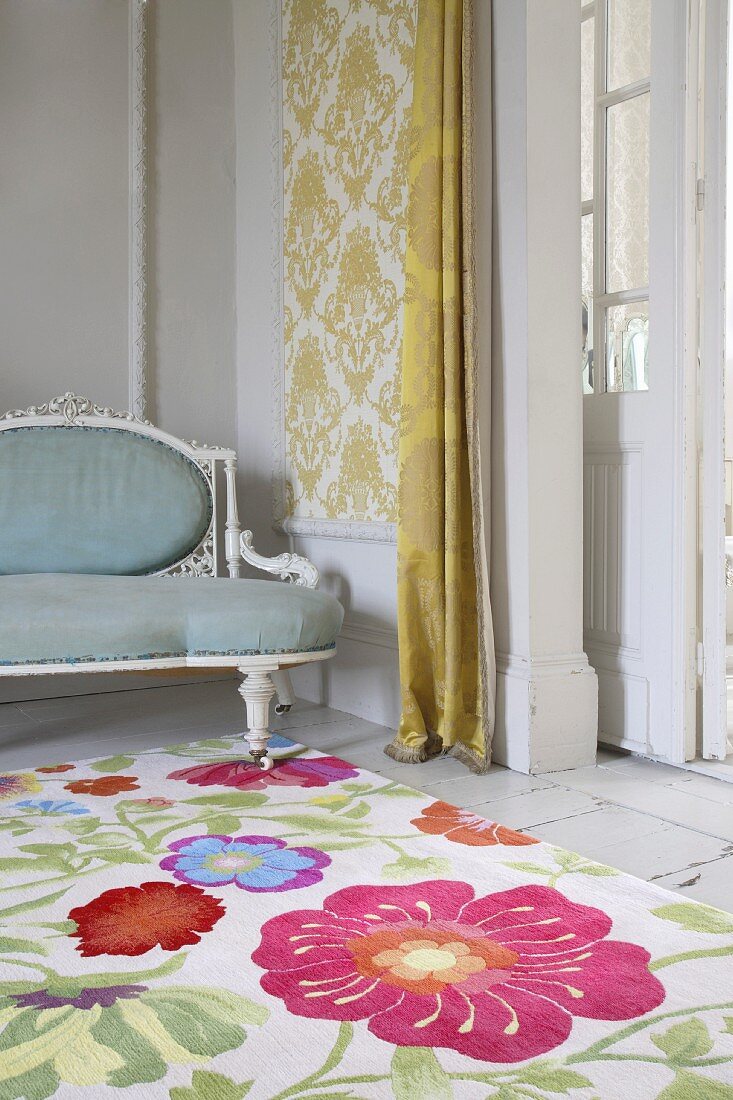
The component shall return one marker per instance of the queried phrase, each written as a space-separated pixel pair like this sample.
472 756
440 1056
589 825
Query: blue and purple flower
257 863
51 806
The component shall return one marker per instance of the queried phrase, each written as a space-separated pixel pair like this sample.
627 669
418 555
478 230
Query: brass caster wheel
262 760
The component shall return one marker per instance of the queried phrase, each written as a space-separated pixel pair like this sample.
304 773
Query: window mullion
626 92
599 198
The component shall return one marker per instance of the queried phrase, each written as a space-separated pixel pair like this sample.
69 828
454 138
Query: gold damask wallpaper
347 93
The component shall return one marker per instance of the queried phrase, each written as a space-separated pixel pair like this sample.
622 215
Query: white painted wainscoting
612 502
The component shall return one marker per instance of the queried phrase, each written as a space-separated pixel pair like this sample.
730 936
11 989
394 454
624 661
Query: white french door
639 413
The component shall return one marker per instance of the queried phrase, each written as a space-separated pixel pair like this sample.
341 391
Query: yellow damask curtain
444 619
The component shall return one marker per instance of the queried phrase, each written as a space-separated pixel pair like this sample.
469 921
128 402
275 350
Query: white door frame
683 333
711 251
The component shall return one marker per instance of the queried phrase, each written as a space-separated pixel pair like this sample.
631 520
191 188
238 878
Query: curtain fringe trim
433 747
404 754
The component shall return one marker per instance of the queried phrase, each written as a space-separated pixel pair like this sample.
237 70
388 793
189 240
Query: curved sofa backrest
78 499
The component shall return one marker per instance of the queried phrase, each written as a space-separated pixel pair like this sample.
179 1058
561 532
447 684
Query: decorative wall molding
138 329
612 544
551 666
277 351
353 531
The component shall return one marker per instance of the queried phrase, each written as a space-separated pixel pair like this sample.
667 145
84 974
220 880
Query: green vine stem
596 1050
343 1039
683 956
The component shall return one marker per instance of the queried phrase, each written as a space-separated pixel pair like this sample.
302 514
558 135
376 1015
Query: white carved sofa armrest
288 567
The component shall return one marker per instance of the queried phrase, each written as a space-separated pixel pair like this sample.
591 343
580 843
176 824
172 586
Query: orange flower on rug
105 785
463 827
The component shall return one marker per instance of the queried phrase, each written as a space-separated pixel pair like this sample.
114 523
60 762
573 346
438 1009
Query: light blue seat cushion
78 618
75 499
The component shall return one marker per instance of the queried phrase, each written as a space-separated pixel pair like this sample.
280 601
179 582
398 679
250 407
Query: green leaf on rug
408 867
63 850
683 1042
311 823
37 1084
206 1085
572 862
113 764
728 1021
233 800
418 1075
361 809
33 863
220 1003
107 840
141 1060
35 903
117 855
530 868
82 826
598 869
552 1078
10 943
398 792
695 917
223 825
692 1086
340 845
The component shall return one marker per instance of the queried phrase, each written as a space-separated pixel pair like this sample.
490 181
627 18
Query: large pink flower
298 771
497 978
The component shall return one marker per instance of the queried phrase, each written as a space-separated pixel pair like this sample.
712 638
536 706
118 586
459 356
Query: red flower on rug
462 827
105 785
56 768
134 919
498 978
299 771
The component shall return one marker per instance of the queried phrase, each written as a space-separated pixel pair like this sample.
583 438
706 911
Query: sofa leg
284 689
257 689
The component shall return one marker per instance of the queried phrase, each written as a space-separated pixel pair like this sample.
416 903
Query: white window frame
603 100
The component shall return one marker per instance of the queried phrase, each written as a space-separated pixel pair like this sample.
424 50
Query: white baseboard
546 712
363 678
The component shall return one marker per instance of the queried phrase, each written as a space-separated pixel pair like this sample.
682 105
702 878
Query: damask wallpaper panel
347 94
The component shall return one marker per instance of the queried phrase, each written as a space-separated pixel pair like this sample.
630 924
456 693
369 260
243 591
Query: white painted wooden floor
657 822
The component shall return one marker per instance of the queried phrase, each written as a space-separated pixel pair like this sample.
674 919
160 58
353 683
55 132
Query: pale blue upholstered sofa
112 543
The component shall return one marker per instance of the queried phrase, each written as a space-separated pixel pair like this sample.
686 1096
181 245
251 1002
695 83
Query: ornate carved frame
71 410
292 525
264 674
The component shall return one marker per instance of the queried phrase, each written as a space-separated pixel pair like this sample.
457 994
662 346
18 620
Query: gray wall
64 208
64 221
63 200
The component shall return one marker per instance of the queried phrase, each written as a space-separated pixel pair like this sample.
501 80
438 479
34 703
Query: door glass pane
627 347
586 241
627 195
629 38
586 108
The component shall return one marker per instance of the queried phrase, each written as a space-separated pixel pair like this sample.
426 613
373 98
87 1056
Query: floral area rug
180 924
